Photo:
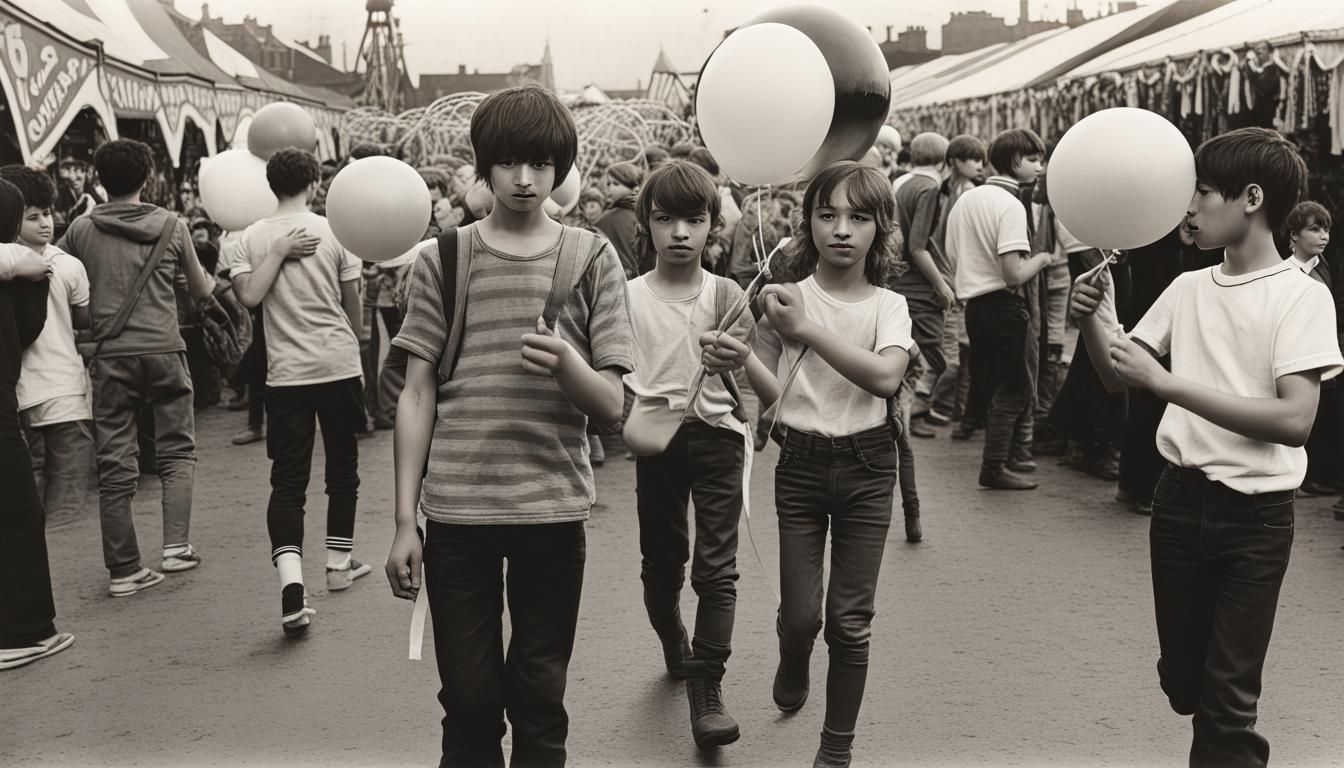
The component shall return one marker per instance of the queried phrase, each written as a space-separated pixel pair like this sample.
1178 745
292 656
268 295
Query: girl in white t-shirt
837 468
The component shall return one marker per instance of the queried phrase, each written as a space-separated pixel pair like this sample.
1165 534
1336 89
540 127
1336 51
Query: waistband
808 444
1195 479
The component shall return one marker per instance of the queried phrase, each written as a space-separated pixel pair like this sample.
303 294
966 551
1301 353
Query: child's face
462 180
842 234
522 186
969 169
1028 168
75 175
1215 221
592 211
678 239
36 229
1311 240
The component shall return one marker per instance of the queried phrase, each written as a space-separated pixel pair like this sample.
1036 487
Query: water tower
380 51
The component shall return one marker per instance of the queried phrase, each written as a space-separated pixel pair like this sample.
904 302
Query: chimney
1024 14
888 33
205 12
461 69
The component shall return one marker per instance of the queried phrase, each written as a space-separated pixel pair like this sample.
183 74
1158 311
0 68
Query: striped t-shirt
508 447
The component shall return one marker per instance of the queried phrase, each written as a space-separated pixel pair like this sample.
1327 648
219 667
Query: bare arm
1018 269
924 263
416 412
252 287
352 303
879 374
598 394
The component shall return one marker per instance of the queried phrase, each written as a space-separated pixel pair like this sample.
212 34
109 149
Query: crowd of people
923 288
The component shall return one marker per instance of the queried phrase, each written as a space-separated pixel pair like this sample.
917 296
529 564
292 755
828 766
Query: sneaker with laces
341 578
180 560
295 615
126 586
11 658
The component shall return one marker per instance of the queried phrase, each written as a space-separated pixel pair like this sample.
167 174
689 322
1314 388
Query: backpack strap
455 272
155 256
571 264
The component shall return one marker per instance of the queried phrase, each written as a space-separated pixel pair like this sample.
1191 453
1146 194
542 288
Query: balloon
764 103
278 126
234 189
378 207
1106 199
567 194
889 136
858 70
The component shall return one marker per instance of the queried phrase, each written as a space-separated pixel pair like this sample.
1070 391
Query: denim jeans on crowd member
998 324
702 465
27 610
1218 560
467 585
292 416
846 484
942 389
65 452
370 350
121 387
926 318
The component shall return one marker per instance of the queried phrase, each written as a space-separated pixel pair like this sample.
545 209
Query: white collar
1306 266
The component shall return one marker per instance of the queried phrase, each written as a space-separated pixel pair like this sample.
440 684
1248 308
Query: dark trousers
1218 560
377 407
926 318
702 464
1083 410
467 586
1325 447
293 414
844 484
27 611
998 324
1140 463
256 372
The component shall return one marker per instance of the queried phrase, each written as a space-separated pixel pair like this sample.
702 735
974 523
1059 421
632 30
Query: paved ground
1019 633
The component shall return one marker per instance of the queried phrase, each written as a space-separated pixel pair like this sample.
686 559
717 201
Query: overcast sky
609 42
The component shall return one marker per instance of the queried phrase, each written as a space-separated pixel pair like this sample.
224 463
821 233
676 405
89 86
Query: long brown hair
867 190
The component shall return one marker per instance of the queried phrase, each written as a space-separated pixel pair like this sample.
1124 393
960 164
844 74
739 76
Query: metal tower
382 55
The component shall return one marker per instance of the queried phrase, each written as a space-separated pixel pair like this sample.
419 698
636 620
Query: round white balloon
567 194
234 189
1121 178
764 103
378 207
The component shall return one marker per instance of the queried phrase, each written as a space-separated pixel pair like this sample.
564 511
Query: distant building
909 47
295 61
973 30
436 86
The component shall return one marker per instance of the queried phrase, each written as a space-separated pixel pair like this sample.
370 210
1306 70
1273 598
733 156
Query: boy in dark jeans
987 230
142 364
509 476
1250 342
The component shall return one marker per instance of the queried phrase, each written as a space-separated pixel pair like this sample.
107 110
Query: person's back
141 364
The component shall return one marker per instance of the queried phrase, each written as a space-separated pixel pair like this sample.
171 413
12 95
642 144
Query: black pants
294 413
1218 561
466 586
1140 463
1084 411
998 324
27 611
1325 447
702 464
845 484
251 371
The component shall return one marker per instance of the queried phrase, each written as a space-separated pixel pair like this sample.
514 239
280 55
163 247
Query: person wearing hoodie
618 223
142 365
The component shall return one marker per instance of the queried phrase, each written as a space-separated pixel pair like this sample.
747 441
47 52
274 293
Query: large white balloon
764 103
234 190
567 194
378 207
1121 178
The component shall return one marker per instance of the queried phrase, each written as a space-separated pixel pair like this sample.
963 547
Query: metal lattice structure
382 56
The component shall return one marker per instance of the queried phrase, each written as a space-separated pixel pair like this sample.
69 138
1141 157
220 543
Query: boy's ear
1255 198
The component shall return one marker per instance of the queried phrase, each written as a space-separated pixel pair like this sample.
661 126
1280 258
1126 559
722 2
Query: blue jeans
845 484
466 584
1218 560
63 454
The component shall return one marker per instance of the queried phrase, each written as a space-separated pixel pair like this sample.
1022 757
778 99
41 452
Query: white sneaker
11 658
341 578
129 585
182 561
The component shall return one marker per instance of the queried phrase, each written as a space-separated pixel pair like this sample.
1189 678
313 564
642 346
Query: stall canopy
1233 25
132 59
934 74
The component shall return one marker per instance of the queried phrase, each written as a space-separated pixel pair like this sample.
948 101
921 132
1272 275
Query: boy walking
133 252
311 306
53 389
987 229
1250 342
505 411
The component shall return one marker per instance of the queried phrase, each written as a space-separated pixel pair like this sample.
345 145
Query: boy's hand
783 305
1088 291
722 352
297 244
946 296
403 563
1135 366
544 352
30 266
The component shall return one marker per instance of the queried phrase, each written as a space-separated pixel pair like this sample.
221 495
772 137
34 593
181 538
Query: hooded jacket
621 227
114 241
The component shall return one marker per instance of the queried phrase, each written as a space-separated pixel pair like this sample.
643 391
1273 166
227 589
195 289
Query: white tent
592 95
937 72
111 24
1231 26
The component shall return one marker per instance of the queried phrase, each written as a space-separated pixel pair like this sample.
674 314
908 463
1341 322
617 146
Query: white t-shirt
308 336
1238 335
52 366
667 345
821 401
985 224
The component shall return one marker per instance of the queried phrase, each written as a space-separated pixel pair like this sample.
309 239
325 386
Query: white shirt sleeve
240 263
1012 230
1155 327
79 281
893 323
1305 339
10 254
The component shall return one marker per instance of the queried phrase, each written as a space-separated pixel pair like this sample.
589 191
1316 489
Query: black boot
791 681
835 749
711 725
676 650
913 533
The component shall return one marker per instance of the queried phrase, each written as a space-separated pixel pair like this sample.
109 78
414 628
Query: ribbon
421 608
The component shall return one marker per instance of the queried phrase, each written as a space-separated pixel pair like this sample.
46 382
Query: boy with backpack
311 306
1250 341
133 253
504 392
